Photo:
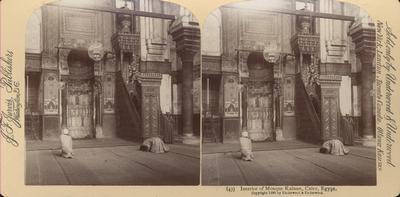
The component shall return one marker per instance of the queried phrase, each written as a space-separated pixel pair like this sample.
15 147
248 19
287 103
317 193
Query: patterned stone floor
257 146
121 163
302 166
114 165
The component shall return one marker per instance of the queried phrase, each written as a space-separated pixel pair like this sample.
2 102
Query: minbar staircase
307 114
128 114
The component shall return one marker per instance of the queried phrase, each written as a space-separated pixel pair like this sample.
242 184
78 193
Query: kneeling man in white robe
246 147
66 144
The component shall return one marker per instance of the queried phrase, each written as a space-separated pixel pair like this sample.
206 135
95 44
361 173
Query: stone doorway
79 95
259 110
80 108
259 98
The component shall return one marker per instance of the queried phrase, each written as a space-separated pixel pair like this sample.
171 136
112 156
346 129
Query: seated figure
334 147
154 145
246 147
66 144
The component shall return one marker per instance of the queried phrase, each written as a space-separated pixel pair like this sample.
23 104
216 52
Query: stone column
366 99
98 91
363 35
244 106
278 110
63 104
186 34
330 112
187 95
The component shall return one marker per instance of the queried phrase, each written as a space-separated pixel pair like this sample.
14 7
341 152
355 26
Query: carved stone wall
231 96
86 24
211 64
33 62
50 37
230 34
50 93
109 93
80 24
244 70
72 28
288 95
335 42
154 38
65 30
259 26
33 35
211 36
49 102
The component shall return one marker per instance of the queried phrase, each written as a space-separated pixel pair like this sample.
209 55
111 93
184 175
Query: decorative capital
363 33
186 34
366 57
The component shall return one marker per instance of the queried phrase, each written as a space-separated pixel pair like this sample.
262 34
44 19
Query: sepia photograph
112 94
200 98
288 94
